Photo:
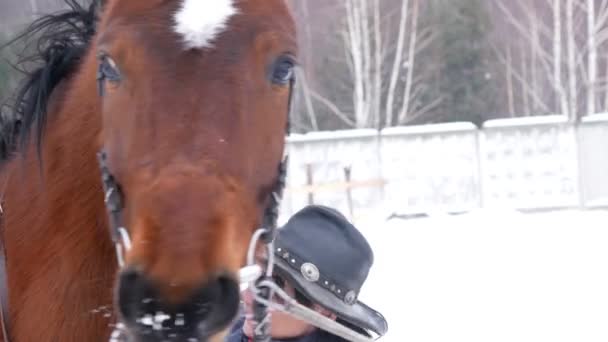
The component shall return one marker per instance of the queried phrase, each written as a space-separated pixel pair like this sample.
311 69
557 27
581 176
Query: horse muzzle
148 317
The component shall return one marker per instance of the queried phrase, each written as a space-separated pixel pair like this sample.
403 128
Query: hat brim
357 314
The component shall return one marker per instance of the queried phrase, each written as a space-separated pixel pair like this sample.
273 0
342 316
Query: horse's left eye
283 71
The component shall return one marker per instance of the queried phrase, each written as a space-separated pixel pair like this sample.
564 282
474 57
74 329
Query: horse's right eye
109 70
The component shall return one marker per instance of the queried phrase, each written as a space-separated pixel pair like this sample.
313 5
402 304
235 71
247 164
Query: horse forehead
199 22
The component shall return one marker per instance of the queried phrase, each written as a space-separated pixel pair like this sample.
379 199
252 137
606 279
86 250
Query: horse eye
283 71
109 70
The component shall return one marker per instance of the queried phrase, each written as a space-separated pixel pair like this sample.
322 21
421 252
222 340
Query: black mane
58 42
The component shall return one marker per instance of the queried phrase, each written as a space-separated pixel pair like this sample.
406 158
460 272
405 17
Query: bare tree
411 58
557 57
389 70
378 58
575 83
509 78
592 56
397 62
357 43
572 90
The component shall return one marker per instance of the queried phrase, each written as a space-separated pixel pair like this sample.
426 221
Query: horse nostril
224 305
136 295
204 313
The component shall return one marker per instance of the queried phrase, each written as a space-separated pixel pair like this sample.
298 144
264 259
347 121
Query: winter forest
379 63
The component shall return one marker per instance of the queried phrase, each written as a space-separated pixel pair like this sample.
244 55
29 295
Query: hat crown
324 238
328 259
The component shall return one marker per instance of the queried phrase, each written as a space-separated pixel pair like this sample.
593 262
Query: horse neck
70 178
60 256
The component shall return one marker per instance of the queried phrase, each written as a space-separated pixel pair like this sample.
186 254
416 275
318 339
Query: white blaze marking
201 21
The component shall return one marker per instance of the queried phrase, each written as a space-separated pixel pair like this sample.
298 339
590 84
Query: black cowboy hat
327 259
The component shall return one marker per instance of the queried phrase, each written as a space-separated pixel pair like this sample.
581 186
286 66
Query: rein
267 235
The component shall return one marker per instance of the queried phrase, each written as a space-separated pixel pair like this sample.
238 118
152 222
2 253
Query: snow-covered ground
491 276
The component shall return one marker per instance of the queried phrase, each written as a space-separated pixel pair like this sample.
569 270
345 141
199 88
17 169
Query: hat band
311 273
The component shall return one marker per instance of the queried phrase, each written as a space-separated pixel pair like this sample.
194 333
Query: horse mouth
147 315
158 334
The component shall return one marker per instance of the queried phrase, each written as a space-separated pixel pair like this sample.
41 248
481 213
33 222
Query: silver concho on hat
350 297
310 272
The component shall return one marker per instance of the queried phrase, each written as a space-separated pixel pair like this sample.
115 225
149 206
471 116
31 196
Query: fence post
349 194
309 183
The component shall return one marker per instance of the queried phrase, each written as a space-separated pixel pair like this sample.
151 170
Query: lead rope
297 310
262 285
264 288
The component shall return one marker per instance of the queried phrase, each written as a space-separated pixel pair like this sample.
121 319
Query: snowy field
491 276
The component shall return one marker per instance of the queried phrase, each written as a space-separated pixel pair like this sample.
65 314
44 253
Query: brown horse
187 100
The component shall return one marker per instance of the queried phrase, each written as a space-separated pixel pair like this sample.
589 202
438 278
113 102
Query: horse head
193 98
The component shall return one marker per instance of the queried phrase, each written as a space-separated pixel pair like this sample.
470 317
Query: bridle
122 241
114 202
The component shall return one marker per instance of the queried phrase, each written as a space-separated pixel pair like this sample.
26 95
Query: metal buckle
123 245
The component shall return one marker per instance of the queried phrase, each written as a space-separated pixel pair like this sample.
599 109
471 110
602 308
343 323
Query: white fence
524 163
530 163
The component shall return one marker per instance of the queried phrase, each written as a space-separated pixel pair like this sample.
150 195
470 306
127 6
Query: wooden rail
346 186
336 186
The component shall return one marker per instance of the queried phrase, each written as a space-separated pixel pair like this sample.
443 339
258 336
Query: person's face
283 326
